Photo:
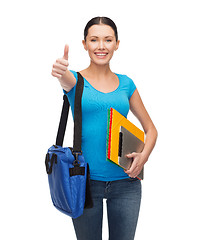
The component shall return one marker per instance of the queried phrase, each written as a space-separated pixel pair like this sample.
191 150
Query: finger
63 62
57 70
132 169
131 155
56 75
128 171
59 66
66 50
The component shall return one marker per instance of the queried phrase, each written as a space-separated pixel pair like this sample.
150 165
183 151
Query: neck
99 71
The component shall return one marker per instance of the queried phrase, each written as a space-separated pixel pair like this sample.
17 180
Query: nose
101 45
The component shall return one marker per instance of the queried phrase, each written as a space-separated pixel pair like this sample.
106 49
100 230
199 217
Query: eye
93 40
109 40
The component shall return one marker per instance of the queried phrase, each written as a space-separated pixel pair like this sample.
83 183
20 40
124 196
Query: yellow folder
115 121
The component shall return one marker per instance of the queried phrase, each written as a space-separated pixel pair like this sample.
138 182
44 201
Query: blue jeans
123 205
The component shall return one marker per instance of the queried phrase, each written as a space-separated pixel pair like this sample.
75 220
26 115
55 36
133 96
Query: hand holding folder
123 137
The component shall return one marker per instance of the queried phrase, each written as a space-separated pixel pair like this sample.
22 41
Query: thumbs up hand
60 66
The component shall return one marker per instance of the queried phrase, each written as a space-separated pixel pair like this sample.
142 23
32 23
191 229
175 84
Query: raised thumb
66 50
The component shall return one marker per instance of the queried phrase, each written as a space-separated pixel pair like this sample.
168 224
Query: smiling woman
100 42
104 89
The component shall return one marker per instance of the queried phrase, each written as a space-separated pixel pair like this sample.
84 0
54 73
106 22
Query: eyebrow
105 37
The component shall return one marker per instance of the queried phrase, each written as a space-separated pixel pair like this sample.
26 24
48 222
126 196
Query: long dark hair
101 20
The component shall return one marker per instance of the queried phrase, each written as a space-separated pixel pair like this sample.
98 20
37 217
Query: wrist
145 157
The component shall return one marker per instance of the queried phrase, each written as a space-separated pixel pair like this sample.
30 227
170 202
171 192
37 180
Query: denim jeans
123 199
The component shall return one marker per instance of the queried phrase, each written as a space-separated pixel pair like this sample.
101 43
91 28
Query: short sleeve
73 89
132 88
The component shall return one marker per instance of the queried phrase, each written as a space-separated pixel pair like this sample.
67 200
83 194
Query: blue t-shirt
95 105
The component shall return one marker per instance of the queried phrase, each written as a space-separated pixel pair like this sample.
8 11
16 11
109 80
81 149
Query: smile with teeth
101 54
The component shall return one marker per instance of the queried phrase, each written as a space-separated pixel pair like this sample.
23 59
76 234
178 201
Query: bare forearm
150 141
67 81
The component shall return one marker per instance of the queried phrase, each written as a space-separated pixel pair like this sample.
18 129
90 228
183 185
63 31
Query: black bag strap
77 117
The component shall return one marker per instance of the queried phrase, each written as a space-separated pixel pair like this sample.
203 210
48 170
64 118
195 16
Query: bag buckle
76 162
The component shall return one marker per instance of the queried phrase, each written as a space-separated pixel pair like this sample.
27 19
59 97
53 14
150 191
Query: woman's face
101 43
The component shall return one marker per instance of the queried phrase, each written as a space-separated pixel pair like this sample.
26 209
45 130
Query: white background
162 50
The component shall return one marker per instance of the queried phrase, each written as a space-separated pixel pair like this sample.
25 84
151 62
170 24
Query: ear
117 45
84 43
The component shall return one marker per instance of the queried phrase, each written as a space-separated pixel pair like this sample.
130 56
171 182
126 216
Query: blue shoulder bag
68 172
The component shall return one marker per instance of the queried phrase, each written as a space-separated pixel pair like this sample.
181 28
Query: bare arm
59 70
138 109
